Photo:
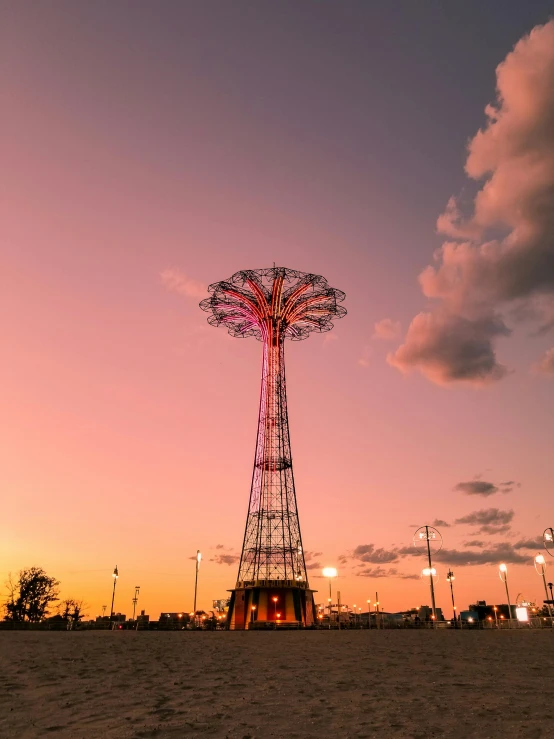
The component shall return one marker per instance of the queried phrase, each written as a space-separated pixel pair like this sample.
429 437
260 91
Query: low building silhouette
173 620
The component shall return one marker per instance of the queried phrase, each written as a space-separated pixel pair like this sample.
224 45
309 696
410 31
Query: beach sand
287 684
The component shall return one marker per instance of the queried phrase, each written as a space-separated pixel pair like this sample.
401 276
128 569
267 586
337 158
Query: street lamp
431 573
424 536
540 566
275 599
252 612
115 575
503 573
329 572
450 577
198 560
135 600
496 615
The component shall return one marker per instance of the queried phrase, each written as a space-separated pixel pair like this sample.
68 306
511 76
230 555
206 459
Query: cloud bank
490 520
378 572
484 488
476 551
499 257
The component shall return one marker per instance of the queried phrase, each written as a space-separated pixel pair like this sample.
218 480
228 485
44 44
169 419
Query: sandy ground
292 684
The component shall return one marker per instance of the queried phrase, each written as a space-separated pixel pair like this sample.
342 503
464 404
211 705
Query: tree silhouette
30 596
72 611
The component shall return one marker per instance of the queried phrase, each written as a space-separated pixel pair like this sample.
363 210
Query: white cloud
500 254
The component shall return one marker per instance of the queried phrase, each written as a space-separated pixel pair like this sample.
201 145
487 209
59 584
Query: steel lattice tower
272 305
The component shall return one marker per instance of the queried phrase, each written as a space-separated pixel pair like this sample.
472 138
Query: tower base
270 604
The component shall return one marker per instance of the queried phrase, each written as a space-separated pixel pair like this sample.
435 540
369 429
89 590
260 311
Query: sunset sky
403 150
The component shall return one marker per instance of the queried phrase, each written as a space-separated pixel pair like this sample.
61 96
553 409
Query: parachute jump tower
272 305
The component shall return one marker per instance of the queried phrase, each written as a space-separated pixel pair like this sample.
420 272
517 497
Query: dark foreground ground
415 684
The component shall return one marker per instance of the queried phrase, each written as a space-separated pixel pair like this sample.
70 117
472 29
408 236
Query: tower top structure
277 302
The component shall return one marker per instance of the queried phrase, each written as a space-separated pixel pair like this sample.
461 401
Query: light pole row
428 534
424 535
115 576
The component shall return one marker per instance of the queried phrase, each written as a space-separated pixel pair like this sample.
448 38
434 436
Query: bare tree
30 596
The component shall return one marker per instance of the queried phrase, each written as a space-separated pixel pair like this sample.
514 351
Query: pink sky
139 169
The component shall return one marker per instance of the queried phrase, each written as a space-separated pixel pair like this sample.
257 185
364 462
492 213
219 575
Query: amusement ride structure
272 305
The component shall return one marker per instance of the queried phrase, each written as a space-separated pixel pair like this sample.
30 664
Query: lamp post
115 575
503 573
495 615
540 566
450 577
275 599
329 572
369 613
198 560
252 613
135 600
424 536
431 575
431 572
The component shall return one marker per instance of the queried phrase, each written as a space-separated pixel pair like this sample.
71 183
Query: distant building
425 613
489 613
